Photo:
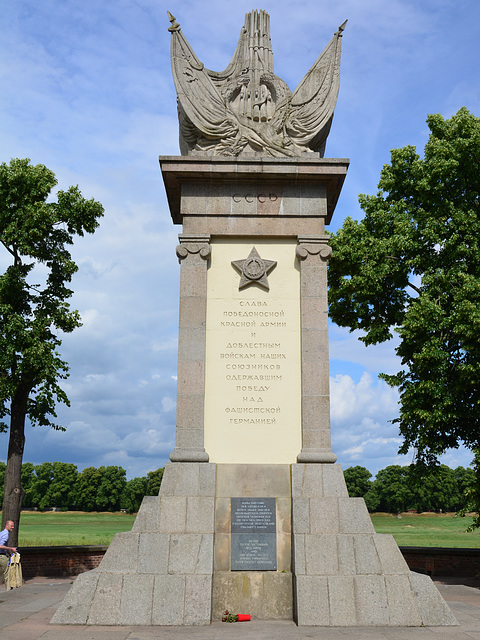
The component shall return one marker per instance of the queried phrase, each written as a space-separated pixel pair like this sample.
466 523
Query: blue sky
86 89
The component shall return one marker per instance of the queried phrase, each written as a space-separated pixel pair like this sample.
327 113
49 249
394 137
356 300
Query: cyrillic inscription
253 534
253 369
254 351
251 197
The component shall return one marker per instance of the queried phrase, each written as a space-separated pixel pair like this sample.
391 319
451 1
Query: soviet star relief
254 270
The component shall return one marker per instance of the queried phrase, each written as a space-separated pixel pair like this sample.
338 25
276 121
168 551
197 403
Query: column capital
192 244
313 246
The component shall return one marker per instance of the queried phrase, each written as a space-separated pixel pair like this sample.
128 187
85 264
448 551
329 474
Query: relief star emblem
254 270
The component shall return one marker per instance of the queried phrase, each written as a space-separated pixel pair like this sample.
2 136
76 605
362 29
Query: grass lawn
71 527
427 529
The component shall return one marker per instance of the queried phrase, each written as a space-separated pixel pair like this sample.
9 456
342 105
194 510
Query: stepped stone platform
332 570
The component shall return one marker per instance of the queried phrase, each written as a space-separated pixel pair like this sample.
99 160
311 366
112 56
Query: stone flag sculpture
247 108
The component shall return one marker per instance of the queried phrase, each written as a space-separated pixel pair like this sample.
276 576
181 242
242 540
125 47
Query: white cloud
360 415
362 431
168 404
366 399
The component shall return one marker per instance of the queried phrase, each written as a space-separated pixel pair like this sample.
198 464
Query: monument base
345 574
331 568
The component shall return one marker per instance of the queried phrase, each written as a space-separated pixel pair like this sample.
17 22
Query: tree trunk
14 492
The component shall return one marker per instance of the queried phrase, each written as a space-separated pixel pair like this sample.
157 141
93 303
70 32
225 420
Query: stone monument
253 513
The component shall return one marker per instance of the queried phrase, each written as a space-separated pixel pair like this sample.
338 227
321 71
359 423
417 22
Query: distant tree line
396 489
61 485
393 490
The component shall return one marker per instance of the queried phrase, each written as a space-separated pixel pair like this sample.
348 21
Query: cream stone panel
253 356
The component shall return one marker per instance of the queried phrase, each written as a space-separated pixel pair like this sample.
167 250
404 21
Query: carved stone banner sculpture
247 108
253 512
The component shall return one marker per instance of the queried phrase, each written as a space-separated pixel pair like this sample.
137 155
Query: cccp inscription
251 197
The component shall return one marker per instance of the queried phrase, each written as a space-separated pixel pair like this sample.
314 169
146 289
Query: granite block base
174 567
161 572
345 574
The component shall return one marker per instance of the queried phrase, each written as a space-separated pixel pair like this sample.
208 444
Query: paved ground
25 614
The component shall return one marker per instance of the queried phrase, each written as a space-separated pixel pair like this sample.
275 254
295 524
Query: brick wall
73 560
438 561
60 561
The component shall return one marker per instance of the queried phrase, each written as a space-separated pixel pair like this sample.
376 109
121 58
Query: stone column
193 253
313 253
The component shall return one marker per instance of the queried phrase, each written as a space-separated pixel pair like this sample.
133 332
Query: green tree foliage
100 489
27 479
398 488
472 493
154 481
60 485
88 482
62 490
412 265
465 485
39 485
391 489
137 488
110 490
50 484
34 308
433 488
134 492
358 481
372 499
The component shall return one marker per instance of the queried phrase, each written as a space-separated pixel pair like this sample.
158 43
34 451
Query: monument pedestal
332 569
253 515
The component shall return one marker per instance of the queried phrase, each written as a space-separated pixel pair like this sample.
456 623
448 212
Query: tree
50 484
154 481
62 490
34 307
134 492
392 489
87 487
27 479
412 265
358 481
472 494
110 489
433 489
372 499
37 492
100 489
466 480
